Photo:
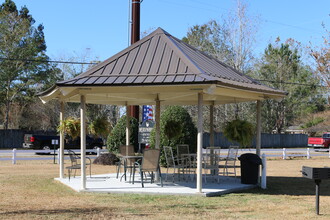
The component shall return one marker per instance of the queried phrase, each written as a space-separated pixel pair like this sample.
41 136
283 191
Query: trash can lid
252 158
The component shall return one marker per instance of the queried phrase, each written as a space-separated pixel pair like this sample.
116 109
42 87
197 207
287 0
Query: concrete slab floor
108 183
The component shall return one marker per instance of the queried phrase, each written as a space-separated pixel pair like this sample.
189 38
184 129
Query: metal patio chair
230 161
188 160
76 164
210 163
178 164
149 164
127 164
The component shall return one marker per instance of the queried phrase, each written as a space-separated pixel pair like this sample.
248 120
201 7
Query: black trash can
250 168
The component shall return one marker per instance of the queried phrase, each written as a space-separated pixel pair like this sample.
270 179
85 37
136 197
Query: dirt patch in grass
28 191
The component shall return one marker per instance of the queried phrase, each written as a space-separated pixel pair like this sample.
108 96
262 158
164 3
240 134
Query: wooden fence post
14 156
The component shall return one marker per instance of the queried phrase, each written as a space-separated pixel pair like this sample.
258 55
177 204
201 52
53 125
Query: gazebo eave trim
248 88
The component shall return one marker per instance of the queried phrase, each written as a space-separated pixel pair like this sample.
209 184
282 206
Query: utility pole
135 25
135 36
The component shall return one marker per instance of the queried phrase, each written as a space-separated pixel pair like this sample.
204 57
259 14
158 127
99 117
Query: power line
215 8
292 26
46 61
71 62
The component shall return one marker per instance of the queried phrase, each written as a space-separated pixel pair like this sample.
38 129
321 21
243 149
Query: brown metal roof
163 59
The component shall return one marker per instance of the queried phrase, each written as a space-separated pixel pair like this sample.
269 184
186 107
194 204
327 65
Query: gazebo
159 70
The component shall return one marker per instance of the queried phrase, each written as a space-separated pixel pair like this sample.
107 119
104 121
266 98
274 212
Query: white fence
285 153
14 155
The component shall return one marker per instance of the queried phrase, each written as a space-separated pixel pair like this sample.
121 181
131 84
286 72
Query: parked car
320 142
44 142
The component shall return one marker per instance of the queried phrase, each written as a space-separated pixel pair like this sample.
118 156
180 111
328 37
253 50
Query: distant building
295 130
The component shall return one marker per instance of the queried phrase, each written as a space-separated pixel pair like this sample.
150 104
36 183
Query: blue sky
71 26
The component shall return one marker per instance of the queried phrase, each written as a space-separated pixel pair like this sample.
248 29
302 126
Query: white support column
157 134
128 125
199 142
61 151
157 119
212 125
258 137
83 140
58 156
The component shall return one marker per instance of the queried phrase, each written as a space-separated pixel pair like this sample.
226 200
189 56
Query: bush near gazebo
118 134
176 127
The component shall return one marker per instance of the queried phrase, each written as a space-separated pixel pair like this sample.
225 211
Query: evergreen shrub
118 135
176 127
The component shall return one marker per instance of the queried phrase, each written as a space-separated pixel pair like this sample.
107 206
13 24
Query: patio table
126 160
193 158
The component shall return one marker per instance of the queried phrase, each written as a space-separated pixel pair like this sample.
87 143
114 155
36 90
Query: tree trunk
7 114
7 109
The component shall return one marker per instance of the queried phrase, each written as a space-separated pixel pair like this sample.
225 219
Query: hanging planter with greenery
71 127
100 127
240 131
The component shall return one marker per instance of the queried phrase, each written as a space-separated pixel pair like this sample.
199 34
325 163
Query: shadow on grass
51 211
73 211
295 186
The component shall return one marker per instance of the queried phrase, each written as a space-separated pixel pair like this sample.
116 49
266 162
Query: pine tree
21 42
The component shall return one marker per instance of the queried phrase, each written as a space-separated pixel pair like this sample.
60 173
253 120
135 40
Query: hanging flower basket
71 127
240 131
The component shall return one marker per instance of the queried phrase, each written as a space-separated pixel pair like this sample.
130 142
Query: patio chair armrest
178 159
137 165
90 161
139 160
183 160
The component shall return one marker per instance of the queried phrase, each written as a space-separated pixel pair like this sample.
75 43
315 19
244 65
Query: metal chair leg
141 174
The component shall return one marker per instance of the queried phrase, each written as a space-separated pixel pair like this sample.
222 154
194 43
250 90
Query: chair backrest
150 161
215 150
232 153
126 150
232 156
73 157
169 156
211 157
182 149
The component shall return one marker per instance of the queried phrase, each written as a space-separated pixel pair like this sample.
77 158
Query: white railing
13 155
286 153
308 153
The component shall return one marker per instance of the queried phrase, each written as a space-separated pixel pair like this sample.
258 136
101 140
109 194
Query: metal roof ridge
182 55
211 57
102 64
